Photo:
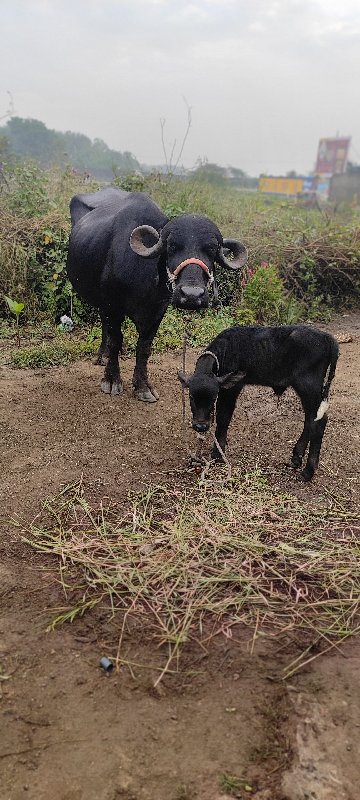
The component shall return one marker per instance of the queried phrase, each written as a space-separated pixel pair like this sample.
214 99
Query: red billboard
332 156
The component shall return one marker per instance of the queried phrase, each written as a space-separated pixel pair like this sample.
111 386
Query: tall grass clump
34 235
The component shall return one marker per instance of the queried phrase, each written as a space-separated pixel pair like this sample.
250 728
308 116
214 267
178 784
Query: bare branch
171 157
10 110
189 120
162 125
170 167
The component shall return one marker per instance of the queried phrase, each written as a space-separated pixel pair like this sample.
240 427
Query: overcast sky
265 79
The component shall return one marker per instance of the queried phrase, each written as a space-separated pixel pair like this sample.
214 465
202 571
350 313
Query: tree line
30 138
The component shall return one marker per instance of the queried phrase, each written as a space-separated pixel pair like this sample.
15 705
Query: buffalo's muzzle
192 297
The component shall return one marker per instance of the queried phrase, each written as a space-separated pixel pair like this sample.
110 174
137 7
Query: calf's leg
225 406
302 443
316 436
313 431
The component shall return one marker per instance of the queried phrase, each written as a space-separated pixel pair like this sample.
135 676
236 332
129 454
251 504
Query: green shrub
28 195
130 183
202 326
263 295
264 300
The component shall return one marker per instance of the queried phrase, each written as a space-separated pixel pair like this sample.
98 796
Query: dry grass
15 228
195 562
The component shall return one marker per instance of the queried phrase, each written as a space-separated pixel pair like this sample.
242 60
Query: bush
203 326
28 195
264 300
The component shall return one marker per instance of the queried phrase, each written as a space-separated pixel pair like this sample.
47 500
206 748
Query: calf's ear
184 380
231 379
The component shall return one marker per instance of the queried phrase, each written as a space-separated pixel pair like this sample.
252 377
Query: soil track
70 732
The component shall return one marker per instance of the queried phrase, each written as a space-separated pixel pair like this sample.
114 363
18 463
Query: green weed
51 354
234 786
16 309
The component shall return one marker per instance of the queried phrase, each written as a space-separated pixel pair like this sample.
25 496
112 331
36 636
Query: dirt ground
71 732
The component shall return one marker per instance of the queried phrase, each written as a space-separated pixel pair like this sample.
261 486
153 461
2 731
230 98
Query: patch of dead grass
194 562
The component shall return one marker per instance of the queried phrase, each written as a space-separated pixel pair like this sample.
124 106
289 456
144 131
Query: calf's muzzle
201 427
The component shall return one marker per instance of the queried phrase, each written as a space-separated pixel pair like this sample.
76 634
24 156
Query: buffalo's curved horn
239 252
137 244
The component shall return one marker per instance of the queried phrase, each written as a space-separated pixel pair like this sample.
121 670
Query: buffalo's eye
211 248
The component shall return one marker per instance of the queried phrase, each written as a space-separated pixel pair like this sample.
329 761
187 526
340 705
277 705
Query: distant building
331 164
346 187
331 161
279 185
332 156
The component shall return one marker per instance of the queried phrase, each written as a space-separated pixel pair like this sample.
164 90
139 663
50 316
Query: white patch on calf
323 407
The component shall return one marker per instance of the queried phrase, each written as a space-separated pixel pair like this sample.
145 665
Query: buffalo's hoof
146 396
111 388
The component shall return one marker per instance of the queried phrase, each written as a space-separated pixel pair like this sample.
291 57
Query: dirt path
70 732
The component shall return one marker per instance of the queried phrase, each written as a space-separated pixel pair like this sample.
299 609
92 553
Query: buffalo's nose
201 427
192 292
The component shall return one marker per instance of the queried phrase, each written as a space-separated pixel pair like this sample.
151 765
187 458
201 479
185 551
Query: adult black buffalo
128 259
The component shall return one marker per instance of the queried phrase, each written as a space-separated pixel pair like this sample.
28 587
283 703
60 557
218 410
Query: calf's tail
331 367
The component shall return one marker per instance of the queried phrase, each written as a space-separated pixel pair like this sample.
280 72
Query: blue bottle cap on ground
106 664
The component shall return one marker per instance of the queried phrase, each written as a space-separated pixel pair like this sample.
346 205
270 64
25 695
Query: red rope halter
191 261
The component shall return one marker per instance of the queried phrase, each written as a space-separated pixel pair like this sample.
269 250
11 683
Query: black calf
291 355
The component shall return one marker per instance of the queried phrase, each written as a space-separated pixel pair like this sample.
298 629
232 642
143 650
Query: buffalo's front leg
103 351
112 383
143 388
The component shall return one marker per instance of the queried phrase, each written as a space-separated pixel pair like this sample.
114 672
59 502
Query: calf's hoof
111 388
295 462
146 395
217 457
306 475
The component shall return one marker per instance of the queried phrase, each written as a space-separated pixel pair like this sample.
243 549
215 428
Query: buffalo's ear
231 379
184 379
